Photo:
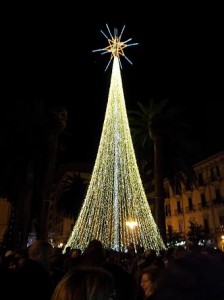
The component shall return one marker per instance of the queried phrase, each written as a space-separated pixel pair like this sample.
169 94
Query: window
218 197
206 226
166 191
203 200
178 207
180 226
221 221
190 203
167 210
170 230
200 179
215 173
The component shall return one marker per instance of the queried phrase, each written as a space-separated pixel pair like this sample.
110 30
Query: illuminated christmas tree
115 209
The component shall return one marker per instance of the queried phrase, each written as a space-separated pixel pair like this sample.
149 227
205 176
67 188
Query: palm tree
160 131
68 193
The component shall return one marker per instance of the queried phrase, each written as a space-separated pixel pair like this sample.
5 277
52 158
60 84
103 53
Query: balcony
178 212
168 213
190 209
218 202
205 205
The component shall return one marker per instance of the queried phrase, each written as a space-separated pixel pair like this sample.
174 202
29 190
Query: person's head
94 253
75 253
41 252
67 250
149 277
84 283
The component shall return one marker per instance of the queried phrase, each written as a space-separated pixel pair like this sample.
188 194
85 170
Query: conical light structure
115 209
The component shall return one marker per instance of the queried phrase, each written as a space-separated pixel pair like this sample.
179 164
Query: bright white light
60 245
132 224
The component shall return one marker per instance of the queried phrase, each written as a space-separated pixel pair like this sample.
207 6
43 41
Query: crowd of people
43 272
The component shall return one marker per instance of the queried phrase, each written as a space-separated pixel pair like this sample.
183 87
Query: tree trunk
22 211
26 212
47 180
159 190
57 123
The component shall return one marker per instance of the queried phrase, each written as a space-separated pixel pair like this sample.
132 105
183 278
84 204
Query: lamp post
132 225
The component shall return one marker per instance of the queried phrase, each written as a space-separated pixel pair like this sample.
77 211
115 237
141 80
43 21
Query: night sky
47 52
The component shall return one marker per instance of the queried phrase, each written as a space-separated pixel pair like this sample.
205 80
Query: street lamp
132 225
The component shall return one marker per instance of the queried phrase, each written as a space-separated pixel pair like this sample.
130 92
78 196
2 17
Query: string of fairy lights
115 209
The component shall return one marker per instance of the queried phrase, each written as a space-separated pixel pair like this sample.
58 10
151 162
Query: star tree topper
116 46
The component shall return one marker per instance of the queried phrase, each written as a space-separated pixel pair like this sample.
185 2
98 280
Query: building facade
202 204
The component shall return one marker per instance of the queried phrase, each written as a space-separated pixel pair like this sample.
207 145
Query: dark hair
84 283
153 271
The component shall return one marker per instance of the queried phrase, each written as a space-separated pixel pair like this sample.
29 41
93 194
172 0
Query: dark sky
47 52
